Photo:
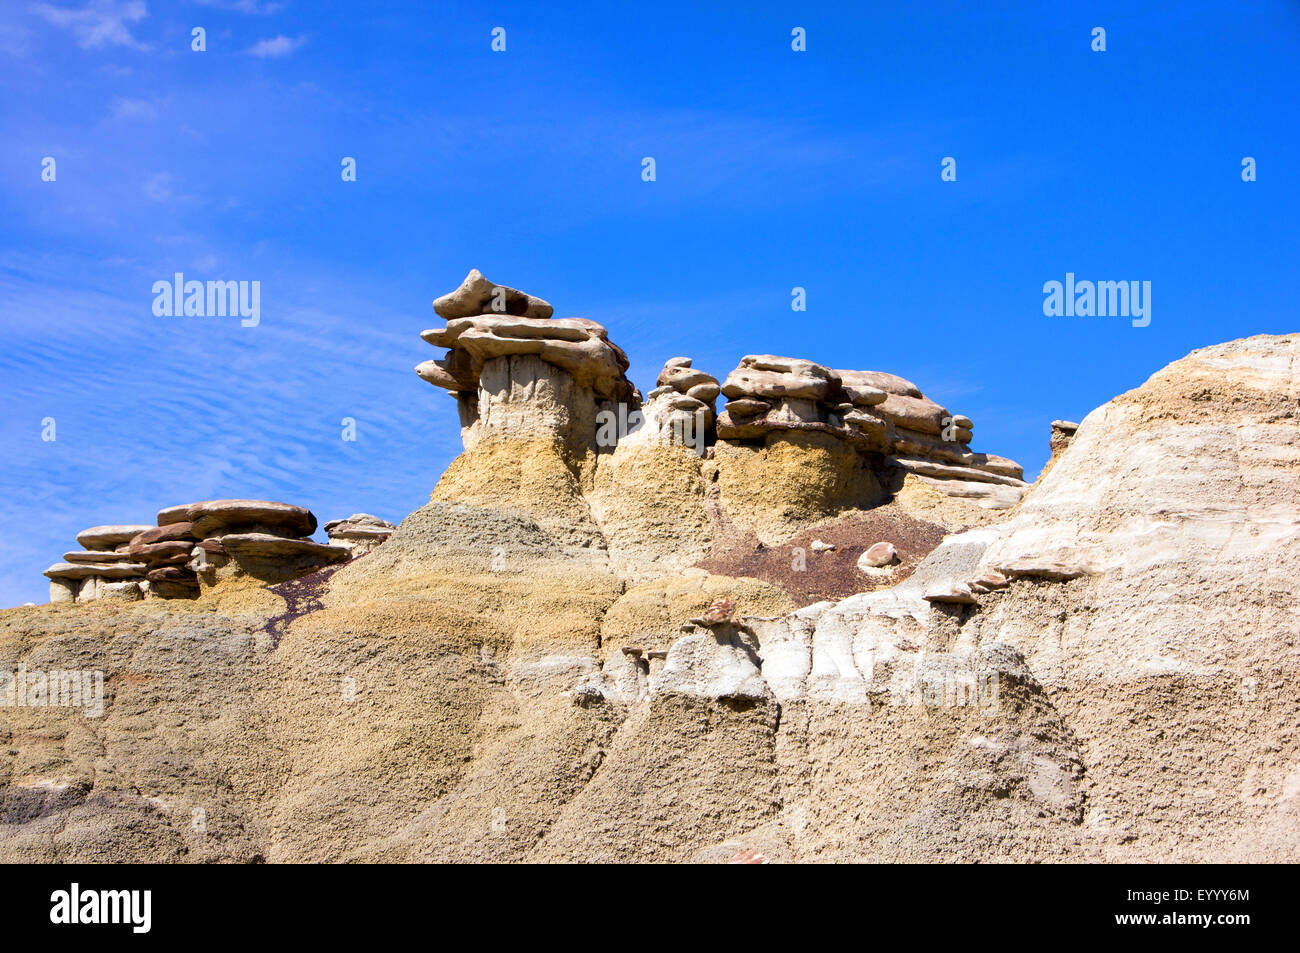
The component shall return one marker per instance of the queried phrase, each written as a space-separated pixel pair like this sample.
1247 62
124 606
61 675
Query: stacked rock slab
258 539
166 551
766 394
515 371
680 410
360 532
104 569
875 412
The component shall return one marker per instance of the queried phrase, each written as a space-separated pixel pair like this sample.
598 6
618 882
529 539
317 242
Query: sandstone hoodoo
814 626
105 569
522 372
680 410
261 540
199 544
360 532
874 412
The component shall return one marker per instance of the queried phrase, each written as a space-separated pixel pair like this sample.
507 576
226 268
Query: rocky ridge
201 544
537 665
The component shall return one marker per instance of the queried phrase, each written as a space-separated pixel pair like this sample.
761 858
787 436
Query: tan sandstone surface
1102 668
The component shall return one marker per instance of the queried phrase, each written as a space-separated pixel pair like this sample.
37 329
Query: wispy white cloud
99 23
277 46
124 108
253 7
15 39
154 411
161 187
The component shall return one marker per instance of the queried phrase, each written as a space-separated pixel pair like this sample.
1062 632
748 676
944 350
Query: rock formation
199 544
874 412
360 532
476 295
256 539
520 372
679 411
576 651
105 569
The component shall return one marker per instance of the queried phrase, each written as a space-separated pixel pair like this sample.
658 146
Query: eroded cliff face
526 670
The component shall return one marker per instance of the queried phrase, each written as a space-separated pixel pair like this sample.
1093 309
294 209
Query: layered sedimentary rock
262 540
360 532
680 410
476 295
167 550
1146 593
517 376
198 544
650 495
105 569
766 393
553 660
833 440
534 396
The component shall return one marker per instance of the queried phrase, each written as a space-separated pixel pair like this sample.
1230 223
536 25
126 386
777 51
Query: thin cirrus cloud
277 46
141 109
252 7
152 411
99 23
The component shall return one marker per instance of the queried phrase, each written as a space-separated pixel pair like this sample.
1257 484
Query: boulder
765 375
681 377
476 295
988 581
218 517
86 571
950 592
879 381
914 413
719 612
878 555
97 557
360 532
106 537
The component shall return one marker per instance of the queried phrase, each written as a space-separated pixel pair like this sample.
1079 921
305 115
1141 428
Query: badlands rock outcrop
360 532
104 569
579 651
199 544
258 540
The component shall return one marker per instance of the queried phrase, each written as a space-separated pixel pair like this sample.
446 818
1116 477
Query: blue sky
775 169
